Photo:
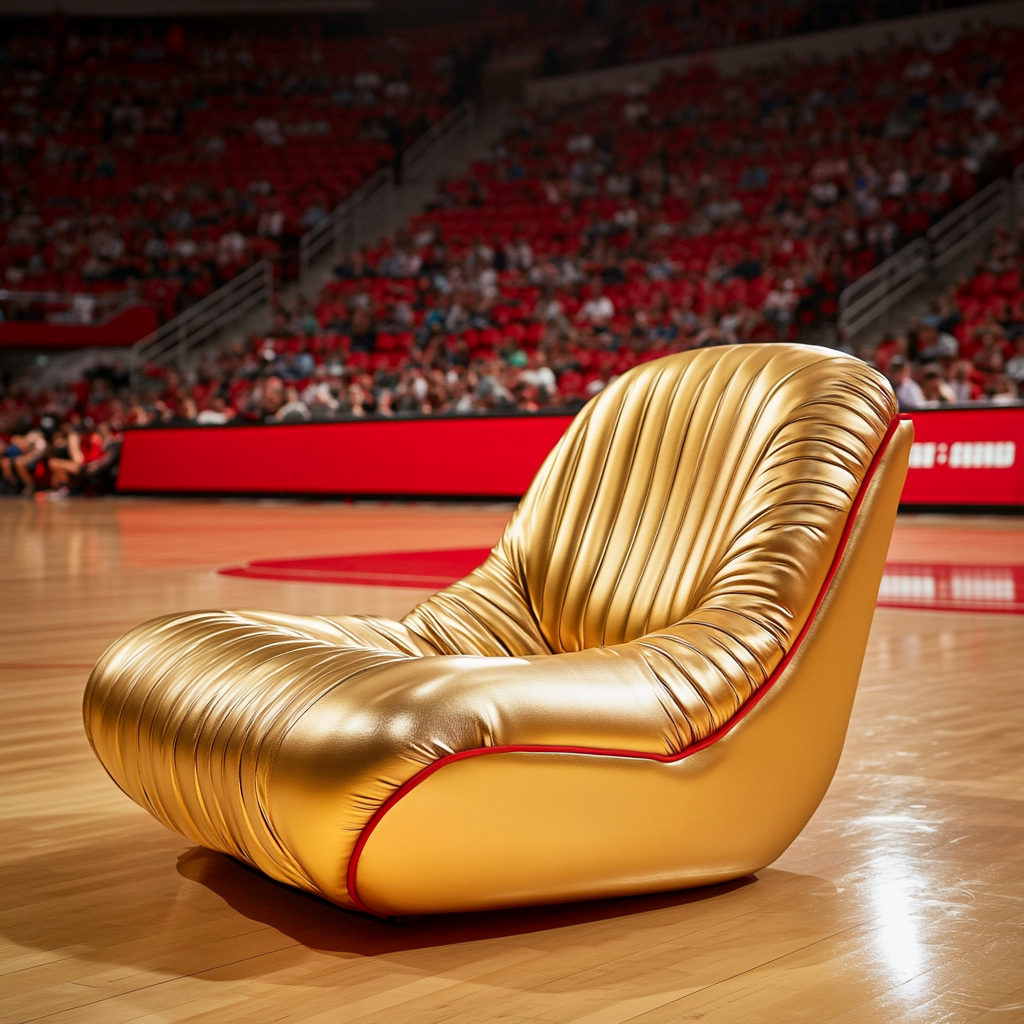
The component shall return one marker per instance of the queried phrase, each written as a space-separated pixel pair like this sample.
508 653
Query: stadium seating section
604 233
170 164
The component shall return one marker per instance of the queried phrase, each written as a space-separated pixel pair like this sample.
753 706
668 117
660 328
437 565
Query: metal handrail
249 290
871 295
1017 195
342 227
963 227
438 137
339 226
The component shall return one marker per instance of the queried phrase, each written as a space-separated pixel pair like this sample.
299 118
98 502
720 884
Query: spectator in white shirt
908 392
1014 368
598 309
271 222
216 414
539 375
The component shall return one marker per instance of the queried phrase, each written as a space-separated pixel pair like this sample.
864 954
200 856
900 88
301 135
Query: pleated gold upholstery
657 572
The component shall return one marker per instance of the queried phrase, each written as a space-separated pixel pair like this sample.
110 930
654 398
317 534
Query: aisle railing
870 296
881 288
343 225
344 228
350 222
432 143
1017 195
229 303
969 223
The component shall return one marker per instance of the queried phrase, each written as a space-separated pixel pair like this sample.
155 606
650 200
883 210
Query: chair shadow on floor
322 926
216 920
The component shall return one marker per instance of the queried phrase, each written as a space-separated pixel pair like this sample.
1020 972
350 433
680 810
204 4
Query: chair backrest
712 485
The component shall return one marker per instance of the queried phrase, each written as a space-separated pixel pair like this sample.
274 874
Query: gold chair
645 687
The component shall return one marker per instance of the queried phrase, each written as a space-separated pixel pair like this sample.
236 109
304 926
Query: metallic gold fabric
518 828
659 568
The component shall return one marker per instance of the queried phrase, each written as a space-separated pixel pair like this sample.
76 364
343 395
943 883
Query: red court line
953 587
423 570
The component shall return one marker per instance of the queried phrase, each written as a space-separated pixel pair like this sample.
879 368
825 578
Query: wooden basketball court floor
902 901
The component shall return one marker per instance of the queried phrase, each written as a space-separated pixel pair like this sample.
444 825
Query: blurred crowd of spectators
162 161
969 345
59 458
705 211
579 36
166 163
752 200
968 348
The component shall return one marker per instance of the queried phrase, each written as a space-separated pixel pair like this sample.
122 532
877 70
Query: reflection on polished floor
901 901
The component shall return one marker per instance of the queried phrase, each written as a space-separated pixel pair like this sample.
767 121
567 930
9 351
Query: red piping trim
755 699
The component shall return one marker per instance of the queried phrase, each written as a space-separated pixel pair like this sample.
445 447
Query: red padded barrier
486 456
981 463
967 457
120 331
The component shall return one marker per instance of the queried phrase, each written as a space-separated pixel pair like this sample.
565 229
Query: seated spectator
539 376
1000 390
294 409
217 413
101 458
1014 368
964 389
779 306
187 411
908 392
935 391
21 456
598 310
66 459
